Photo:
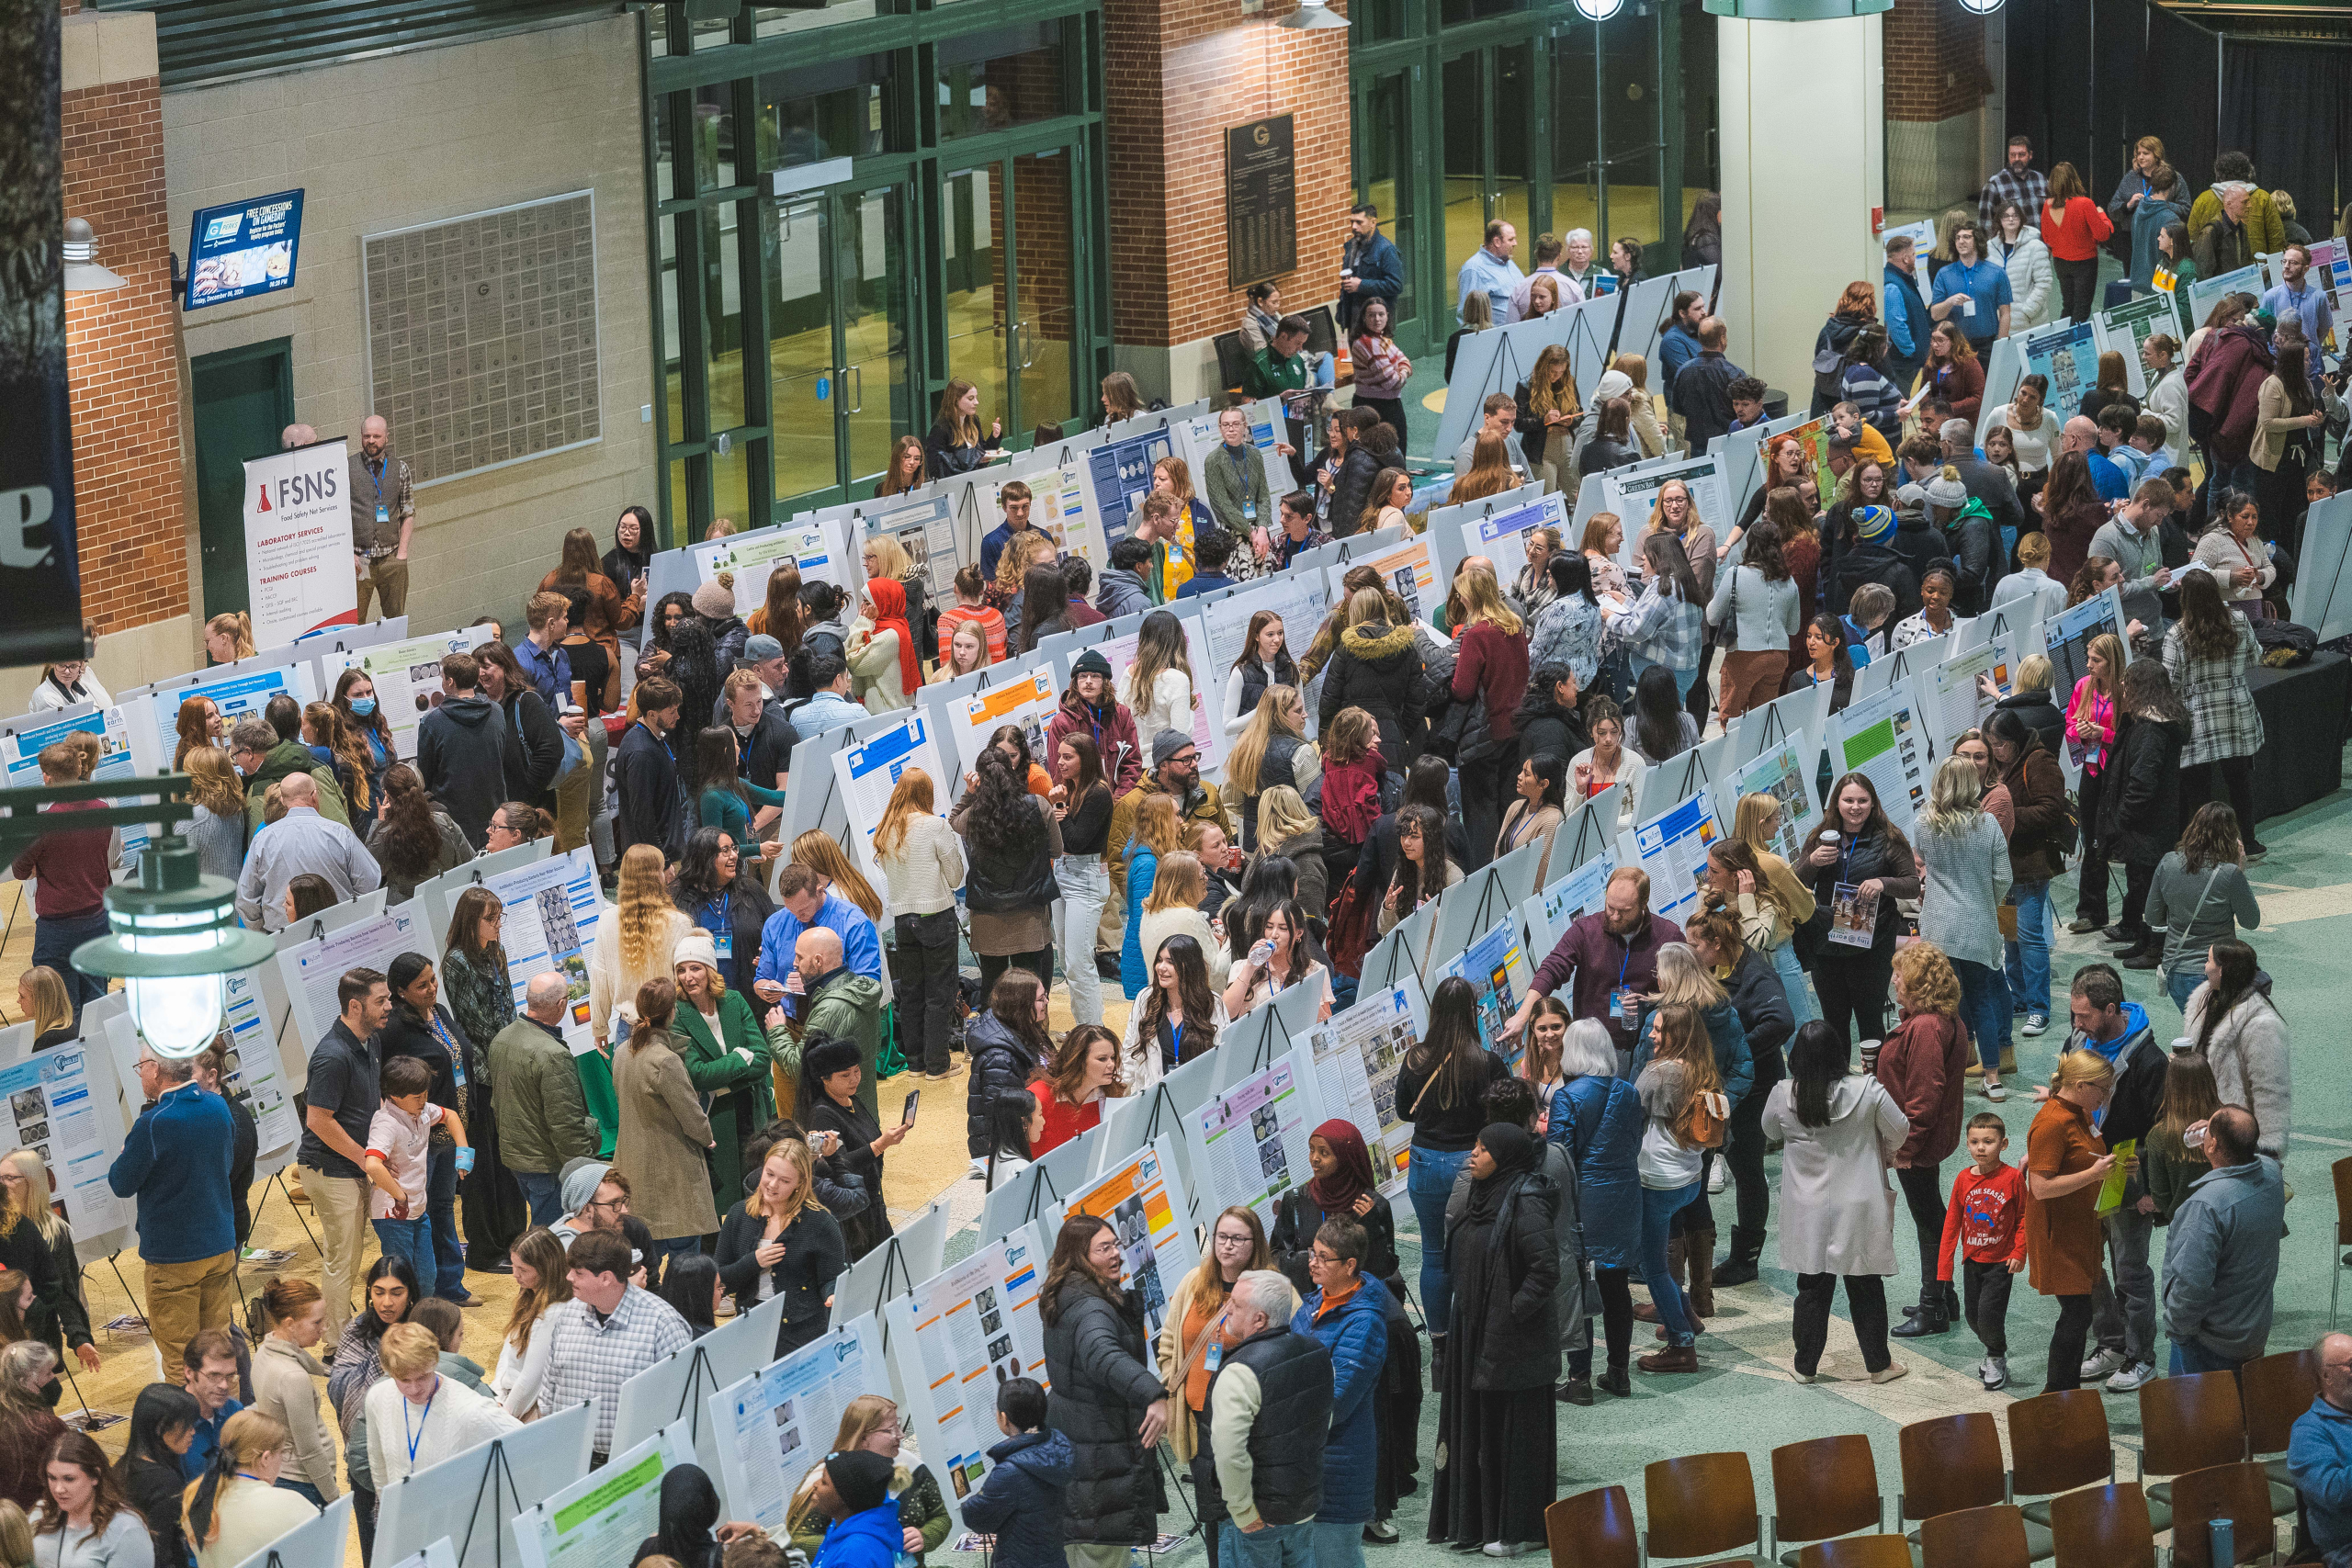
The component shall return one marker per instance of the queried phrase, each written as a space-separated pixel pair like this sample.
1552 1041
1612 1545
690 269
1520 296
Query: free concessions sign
243 249
298 542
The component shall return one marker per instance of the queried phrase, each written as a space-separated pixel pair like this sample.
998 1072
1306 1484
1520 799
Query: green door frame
220 526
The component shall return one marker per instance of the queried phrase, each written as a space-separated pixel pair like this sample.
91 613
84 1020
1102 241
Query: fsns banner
298 542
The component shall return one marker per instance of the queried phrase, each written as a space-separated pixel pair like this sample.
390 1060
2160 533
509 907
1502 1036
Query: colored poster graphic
235 694
778 1423
1551 911
1498 972
1879 736
1027 700
1356 1055
2067 352
298 542
593 1522
54 1111
1120 472
1811 438
20 753
407 677
1300 598
256 1069
1633 496
1062 501
1950 697
1143 1199
244 249
552 907
1673 847
868 772
926 531
2128 326
1252 1140
971 1327
1783 770
1502 537
1407 568
745 561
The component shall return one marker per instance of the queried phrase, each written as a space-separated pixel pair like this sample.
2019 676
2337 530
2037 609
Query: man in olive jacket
1175 770
543 1121
269 759
842 1005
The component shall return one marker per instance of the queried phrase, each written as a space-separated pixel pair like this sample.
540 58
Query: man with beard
1612 956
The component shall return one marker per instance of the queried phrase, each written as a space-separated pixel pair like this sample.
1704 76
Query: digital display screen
244 249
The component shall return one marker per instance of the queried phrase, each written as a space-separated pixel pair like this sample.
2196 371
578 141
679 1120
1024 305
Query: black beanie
863 1479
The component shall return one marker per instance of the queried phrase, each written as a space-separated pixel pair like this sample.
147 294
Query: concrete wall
416 138
1785 261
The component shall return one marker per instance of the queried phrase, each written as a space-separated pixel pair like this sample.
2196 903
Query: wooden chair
2058 1442
2342 1171
1952 1464
1700 1506
1593 1529
2188 1423
1857 1552
1995 1537
2277 1389
2239 1492
1827 1486
2105 1527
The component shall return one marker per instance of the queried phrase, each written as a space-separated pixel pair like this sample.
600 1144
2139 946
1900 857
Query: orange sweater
2074 232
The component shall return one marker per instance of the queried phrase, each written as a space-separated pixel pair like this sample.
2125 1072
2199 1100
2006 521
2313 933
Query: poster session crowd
1538 844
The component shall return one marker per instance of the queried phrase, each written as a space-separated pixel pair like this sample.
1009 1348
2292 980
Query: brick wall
122 359
1935 61
1178 75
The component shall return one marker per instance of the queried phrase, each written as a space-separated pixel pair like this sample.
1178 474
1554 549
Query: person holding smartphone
831 1071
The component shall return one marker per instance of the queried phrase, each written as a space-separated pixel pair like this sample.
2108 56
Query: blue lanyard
376 476
418 1435
720 909
1177 1029
1623 963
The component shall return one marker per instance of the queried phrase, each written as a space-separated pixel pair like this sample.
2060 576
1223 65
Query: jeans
924 972
2180 986
1040 964
1659 1209
1275 1546
2123 1314
1986 1295
2065 1370
1336 1545
1865 1299
2189 1358
411 1239
1984 1007
1429 1181
2027 959
667 1247
363 1513
1683 679
53 944
448 1258
544 1193
1086 887
1791 973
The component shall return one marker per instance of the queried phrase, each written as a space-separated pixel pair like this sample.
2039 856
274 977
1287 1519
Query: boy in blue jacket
1021 1501
853 1491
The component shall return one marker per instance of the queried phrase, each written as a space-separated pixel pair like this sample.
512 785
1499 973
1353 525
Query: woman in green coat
726 1057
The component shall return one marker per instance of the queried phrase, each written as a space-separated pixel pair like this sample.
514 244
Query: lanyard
720 907
1177 1029
418 1435
376 476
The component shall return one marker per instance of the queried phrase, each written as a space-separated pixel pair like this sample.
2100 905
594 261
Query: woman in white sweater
542 1284
2244 1039
416 1417
2033 429
1159 683
634 941
236 1507
2167 395
922 860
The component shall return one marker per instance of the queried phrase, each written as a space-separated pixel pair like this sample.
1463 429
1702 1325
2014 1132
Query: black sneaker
1380 1532
1106 965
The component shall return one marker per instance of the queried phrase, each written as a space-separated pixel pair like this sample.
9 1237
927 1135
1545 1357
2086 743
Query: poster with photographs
1026 700
1503 536
1250 1142
1953 698
20 750
1298 599
925 530
62 1106
1632 494
952 1339
1853 914
1673 850
237 694
1499 973
1062 503
1356 1055
1879 737
2067 354
1782 770
743 562
777 1423
1143 1197
552 907
1407 569
1552 911
407 677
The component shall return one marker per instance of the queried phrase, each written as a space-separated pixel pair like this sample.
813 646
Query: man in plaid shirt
2020 182
606 1334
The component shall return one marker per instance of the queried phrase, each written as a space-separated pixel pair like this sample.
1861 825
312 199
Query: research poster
68 1113
1408 569
1356 1055
256 1068
1208 692
1120 473
299 569
781 1421
1501 537
925 529
1026 700
1878 736
20 753
868 773
1252 1140
2067 352
1784 770
1673 847
1300 599
2068 634
1062 501
1498 970
552 907
2206 292
959 1335
1811 438
238 696
2128 326
1550 912
744 561
1144 1200
597 1520
312 970
407 677
1633 496
1949 699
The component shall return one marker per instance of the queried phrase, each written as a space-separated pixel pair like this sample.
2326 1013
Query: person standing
922 860
663 1131
1923 1066
779 1241
436 1417
299 843
461 750
2066 1165
1273 1383
1370 268
1972 293
726 1055
606 1334
1012 839
1757 594
284 1322
2207 653
175 1162
383 518
1103 1395
1840 1133
1701 393
1860 864
2123 1313
1490 271
1490 667
1967 876
1612 954
71 870
2074 227
2222 1251
1680 1077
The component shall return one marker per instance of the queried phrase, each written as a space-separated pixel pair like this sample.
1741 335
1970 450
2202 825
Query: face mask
363 708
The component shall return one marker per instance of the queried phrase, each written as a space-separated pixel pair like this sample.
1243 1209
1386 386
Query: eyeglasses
601 1203
1224 1240
1323 1257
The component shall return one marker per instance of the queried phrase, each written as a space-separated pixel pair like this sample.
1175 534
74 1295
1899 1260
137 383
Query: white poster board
122 743
1062 502
916 1251
1880 737
590 1522
321 1542
472 1498
1948 698
925 528
299 575
1502 537
1300 598
237 690
1144 1199
1355 1055
777 1424
1784 770
312 970
748 561
552 907
1023 697
64 1104
869 771
1632 494
406 675
1208 688
1547 916
1407 568
1250 1143
1673 850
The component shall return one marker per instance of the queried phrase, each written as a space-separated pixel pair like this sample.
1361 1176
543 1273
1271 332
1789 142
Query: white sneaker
1993 1371
1507 1548
1715 1177
2102 1366
2131 1377
1996 1092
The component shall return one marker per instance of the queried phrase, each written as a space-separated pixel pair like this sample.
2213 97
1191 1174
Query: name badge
383 515
1214 1357
723 941
1249 512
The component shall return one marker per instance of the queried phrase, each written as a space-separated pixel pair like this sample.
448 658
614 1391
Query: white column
1803 108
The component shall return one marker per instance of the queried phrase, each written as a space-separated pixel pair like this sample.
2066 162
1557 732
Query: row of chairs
2208 1433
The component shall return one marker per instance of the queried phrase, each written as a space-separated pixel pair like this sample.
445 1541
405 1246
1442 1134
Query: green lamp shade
172 935
1795 10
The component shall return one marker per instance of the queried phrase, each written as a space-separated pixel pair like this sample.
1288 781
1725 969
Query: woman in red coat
1923 1066
2074 226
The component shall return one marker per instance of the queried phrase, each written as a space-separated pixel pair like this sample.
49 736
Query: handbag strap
2173 942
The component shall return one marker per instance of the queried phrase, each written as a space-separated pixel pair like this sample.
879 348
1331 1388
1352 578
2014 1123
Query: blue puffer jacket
1599 1122
870 1540
1021 1501
1143 868
1357 1337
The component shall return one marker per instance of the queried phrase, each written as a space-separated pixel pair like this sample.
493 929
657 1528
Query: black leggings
1040 964
2090 876
1923 1194
1853 992
2234 784
1616 1314
1865 1300
2077 285
1744 1154
2066 1344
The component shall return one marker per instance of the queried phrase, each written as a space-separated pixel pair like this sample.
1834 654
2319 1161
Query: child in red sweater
1985 1219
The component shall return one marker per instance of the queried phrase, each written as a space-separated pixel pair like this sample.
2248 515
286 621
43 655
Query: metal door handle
859 406
1028 340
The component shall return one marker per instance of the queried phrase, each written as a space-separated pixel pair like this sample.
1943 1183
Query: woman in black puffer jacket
2139 819
1378 668
1007 1046
1106 1396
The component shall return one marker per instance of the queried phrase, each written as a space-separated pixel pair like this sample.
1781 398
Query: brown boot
1702 1253
1673 1358
1677 1250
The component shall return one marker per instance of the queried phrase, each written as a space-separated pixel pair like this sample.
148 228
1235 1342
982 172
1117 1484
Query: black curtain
2049 67
2117 39
2286 107
2178 96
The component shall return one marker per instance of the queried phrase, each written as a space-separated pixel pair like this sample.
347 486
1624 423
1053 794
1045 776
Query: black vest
1006 877
1286 1441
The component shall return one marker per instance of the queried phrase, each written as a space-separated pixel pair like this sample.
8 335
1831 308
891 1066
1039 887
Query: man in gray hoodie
462 751
2222 1250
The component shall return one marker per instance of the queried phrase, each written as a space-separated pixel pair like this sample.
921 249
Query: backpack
1350 802
1703 1121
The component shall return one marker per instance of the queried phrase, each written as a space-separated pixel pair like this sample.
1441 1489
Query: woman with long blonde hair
2065 1164
821 853
323 724
1549 408
1160 684
542 1284
1179 886
1196 1320
1636 370
1490 663
871 1423
635 943
922 862
235 1508
1967 860
229 637
1680 1074
777 1240
1154 836
1924 1065
1272 752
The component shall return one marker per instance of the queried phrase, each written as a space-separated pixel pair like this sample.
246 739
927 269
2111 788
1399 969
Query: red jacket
1121 768
1923 1066
2074 232
2225 384
1985 1218
1962 383
1492 662
71 870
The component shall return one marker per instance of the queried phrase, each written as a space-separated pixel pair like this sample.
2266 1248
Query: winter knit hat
1090 663
1945 489
862 1478
1166 744
1873 523
695 947
714 601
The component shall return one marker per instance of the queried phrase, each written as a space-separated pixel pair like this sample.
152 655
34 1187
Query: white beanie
1613 384
695 947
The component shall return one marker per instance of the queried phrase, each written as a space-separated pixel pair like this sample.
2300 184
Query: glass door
803 353
1609 134
1385 138
978 306
837 340
1487 107
1015 270
876 405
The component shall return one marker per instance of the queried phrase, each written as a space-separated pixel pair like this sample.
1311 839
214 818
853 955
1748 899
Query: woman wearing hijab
689 1511
885 663
1497 1464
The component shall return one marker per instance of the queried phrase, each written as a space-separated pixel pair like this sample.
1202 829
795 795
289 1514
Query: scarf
1335 1194
889 597
1515 1153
